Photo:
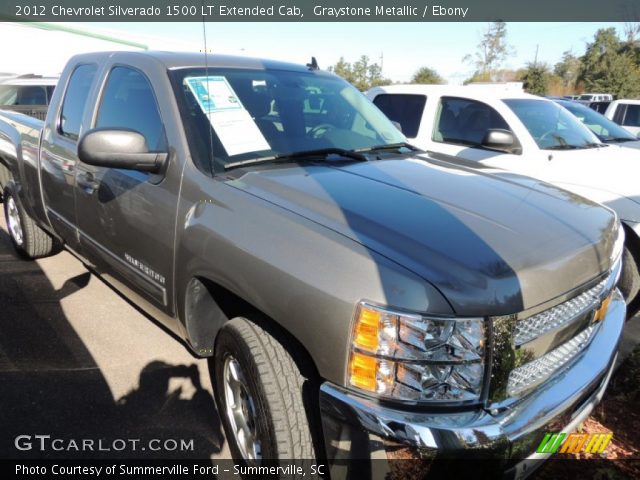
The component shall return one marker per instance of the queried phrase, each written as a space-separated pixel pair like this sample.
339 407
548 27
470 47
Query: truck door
58 156
126 217
459 128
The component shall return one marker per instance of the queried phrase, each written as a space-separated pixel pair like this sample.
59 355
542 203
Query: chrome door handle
87 182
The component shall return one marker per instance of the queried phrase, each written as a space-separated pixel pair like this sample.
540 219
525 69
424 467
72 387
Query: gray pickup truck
355 297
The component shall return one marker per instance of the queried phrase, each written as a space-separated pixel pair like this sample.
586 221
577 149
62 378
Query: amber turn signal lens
367 329
363 371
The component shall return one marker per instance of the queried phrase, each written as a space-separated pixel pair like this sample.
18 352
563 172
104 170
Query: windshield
585 97
245 114
8 95
550 125
605 129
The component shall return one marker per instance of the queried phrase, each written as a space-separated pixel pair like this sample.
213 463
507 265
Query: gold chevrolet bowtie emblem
602 311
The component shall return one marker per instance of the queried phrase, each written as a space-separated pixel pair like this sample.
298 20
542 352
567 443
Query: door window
465 122
128 102
75 100
632 116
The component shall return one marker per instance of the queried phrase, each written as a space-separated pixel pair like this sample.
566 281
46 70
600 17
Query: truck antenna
206 69
314 64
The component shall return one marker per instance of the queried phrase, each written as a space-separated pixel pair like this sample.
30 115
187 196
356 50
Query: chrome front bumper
363 429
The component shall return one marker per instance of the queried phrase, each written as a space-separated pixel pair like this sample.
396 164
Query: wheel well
208 306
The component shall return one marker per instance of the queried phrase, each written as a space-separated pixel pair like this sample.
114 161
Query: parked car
625 113
606 130
599 107
28 94
595 97
274 219
492 126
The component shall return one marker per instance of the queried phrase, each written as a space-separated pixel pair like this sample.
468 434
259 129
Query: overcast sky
400 47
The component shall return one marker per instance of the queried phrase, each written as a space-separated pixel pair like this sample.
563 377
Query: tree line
609 64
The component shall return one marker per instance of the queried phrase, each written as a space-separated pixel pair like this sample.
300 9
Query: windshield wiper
302 155
567 146
621 139
388 146
563 147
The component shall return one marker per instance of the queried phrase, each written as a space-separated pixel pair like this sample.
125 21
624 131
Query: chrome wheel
241 412
13 220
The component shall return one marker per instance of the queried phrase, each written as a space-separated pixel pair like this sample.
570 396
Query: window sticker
233 124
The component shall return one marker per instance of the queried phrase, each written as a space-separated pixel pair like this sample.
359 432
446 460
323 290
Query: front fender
302 275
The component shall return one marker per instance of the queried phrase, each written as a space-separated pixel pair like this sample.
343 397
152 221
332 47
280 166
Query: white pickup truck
626 113
502 127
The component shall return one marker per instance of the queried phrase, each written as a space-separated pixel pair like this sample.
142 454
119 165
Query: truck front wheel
258 390
629 283
27 237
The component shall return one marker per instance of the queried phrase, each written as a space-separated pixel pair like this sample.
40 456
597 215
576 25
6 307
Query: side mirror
397 125
111 148
499 139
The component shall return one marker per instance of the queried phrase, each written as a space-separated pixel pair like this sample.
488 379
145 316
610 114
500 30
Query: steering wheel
545 136
320 130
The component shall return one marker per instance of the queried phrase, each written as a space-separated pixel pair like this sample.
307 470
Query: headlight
411 357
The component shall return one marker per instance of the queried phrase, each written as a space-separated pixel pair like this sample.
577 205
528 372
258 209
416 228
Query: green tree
609 67
568 69
343 69
631 44
427 75
491 52
536 78
500 75
478 77
362 74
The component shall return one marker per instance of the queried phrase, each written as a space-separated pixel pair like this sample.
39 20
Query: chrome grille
537 371
539 324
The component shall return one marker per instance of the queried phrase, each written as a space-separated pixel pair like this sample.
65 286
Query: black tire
275 385
32 242
629 283
5 178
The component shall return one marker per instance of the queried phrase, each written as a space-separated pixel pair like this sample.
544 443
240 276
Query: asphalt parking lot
77 361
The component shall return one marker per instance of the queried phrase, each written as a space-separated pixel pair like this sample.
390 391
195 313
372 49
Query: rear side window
23 95
600 107
128 102
632 116
75 99
403 108
465 122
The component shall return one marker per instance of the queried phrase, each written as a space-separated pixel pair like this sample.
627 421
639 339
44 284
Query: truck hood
630 144
491 246
613 170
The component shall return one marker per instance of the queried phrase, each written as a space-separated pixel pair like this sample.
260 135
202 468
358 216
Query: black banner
319 10
414 469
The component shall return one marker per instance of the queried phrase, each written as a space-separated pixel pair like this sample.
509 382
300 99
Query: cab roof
474 91
178 60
